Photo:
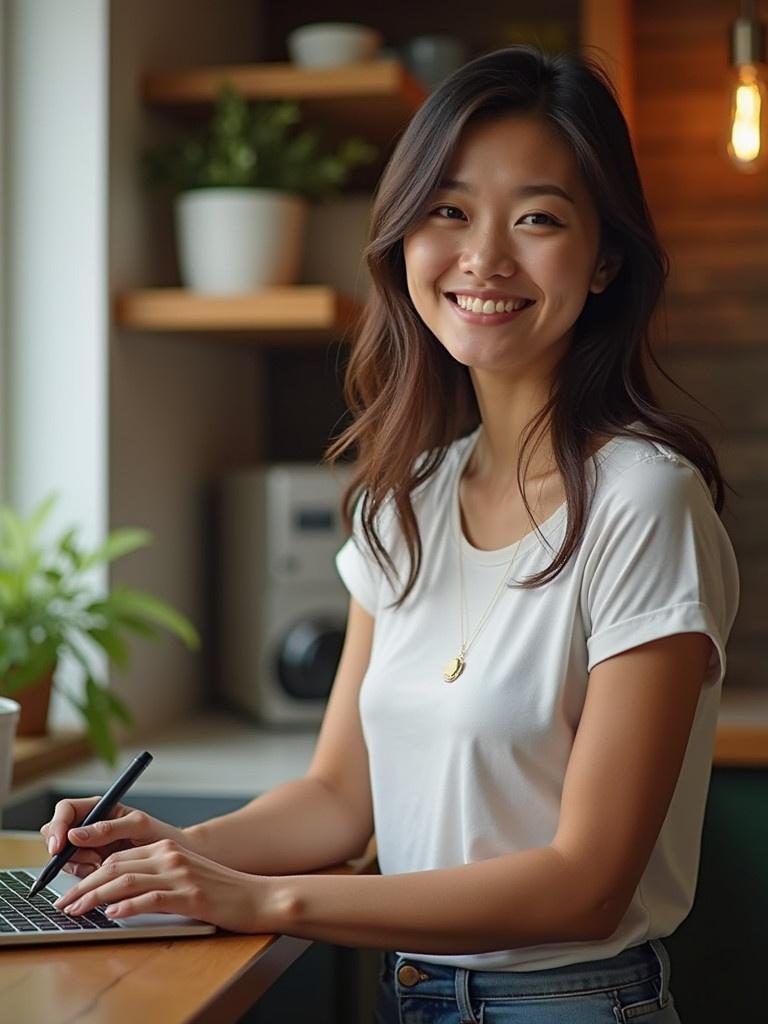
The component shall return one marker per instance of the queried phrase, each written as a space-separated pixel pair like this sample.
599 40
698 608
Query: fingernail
80 833
52 844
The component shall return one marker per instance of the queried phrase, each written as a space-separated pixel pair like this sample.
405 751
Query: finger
65 814
148 853
79 900
157 901
104 874
133 826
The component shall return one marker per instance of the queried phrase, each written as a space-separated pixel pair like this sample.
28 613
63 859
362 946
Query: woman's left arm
621 775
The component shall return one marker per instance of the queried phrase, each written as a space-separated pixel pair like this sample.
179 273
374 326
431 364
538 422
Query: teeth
489 306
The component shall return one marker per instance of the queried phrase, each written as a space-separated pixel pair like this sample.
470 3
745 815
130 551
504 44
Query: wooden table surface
205 980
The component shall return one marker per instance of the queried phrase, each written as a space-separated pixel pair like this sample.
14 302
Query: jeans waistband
634 964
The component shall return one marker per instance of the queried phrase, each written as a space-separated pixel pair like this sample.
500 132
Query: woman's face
494 232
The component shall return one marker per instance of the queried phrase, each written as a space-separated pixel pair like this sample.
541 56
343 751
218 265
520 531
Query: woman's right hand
125 829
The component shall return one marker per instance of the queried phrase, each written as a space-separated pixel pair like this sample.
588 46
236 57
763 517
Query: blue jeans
634 985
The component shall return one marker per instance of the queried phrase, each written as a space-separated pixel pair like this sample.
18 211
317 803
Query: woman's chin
482 356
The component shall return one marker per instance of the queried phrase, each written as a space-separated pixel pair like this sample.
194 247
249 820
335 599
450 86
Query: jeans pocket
639 999
568 1008
423 1010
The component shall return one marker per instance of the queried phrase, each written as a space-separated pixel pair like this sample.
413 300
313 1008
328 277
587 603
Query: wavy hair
408 397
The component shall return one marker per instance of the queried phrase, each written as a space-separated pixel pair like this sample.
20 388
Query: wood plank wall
713 221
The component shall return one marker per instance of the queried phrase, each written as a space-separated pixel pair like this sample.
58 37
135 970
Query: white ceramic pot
9 717
234 240
329 44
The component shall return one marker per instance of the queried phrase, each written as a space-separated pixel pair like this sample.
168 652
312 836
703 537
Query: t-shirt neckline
547 528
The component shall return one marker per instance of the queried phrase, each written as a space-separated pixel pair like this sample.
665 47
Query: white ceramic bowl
327 44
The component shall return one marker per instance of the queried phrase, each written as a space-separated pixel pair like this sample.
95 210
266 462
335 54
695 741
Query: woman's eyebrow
534 189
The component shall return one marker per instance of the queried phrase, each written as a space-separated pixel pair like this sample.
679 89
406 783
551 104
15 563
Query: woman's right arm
324 818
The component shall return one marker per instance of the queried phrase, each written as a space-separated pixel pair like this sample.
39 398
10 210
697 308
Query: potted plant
242 187
49 607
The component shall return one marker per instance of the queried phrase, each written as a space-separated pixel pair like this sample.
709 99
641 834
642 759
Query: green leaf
95 709
67 546
117 544
151 609
25 666
12 534
118 708
39 516
115 614
111 641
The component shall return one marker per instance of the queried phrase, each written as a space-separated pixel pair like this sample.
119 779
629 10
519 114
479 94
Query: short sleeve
660 562
358 569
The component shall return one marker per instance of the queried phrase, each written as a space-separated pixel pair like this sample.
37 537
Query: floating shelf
313 312
37 755
377 97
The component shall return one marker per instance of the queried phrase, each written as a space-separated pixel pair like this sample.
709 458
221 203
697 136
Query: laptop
28 922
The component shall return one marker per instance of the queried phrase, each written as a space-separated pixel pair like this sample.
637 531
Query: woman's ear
608 266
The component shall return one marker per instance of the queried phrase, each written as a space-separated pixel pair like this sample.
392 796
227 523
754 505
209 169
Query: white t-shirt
474 769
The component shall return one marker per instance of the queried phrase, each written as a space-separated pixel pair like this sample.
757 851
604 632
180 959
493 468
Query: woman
541 593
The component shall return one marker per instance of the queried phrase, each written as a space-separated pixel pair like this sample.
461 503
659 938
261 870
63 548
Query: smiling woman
504 421
525 717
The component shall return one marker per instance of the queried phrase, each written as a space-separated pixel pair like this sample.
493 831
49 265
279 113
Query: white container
234 240
9 717
327 44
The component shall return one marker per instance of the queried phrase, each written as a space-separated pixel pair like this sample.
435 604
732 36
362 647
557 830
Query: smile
486 319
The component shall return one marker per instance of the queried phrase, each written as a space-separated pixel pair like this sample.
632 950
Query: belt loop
665 965
466 1016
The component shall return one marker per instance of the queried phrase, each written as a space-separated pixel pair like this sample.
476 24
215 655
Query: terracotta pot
34 701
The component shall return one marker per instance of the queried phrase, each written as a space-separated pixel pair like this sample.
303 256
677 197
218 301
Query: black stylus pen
101 811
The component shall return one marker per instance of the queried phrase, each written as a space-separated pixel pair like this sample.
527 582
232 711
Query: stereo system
281 607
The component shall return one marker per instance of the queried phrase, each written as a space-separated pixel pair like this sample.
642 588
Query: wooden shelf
741 746
36 755
376 98
311 312
742 729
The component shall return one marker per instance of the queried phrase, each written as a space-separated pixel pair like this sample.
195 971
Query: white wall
56 267
3 328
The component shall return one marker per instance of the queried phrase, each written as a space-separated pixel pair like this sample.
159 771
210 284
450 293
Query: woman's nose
487 254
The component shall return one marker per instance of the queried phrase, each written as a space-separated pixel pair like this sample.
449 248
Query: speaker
281 607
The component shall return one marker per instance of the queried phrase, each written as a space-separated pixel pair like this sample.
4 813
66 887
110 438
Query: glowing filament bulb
745 142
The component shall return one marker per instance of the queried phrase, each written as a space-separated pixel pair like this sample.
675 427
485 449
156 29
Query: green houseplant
48 606
241 187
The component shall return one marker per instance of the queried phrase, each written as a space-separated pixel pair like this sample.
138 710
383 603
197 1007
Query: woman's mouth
474 315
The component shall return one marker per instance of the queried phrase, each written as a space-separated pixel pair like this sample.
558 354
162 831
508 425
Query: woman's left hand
165 878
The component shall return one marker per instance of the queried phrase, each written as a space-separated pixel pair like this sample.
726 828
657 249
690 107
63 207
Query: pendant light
748 118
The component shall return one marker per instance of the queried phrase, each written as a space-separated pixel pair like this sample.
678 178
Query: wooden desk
206 980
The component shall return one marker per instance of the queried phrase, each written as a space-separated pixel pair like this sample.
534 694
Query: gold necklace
455 666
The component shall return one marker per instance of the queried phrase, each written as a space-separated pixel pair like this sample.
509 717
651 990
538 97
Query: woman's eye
546 217
454 208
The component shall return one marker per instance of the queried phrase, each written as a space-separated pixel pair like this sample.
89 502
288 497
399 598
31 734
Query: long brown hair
407 395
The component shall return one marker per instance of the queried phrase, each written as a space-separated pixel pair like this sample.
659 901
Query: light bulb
748 135
747 121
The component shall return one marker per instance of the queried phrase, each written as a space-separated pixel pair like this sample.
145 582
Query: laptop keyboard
20 914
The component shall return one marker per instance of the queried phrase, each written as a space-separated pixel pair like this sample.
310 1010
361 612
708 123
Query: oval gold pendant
453 669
